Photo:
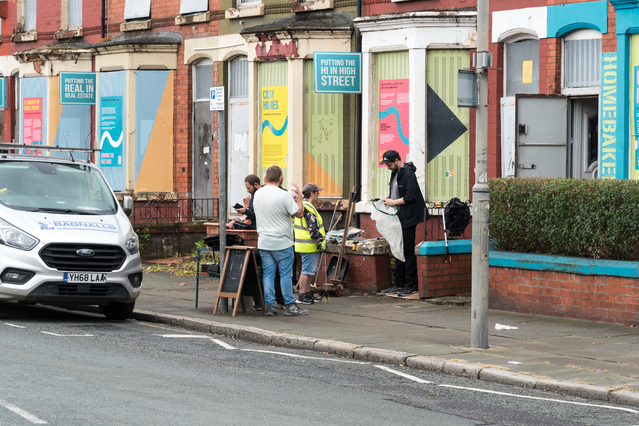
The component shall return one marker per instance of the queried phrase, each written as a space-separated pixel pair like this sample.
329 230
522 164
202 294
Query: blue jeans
271 261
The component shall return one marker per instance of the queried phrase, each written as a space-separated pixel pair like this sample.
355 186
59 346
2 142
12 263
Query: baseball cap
311 187
389 156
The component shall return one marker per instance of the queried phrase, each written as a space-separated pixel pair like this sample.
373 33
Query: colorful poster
111 134
393 118
274 102
32 123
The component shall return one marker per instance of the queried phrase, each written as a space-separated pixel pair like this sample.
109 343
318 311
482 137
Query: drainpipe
102 21
358 124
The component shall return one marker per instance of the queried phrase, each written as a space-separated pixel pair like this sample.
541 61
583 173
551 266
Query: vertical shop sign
32 123
393 118
3 96
608 114
111 134
636 117
274 101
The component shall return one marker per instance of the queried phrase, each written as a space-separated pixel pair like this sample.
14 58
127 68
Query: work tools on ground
340 264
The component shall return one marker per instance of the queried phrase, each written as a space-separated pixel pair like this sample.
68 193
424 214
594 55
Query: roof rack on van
70 150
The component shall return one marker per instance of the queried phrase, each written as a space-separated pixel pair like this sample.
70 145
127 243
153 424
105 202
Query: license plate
81 277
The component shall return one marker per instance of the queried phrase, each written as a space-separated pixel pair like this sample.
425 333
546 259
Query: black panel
442 125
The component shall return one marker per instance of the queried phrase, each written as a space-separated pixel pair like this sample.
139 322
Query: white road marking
13 325
224 345
185 336
399 373
306 357
67 335
19 411
540 399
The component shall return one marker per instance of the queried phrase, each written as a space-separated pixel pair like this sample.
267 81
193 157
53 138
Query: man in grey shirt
274 209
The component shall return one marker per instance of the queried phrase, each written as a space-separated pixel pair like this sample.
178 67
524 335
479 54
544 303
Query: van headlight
133 243
13 237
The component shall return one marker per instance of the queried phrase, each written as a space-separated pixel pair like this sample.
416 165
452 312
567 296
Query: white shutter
193 6
135 9
75 13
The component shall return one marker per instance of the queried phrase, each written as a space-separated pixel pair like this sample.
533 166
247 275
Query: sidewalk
590 359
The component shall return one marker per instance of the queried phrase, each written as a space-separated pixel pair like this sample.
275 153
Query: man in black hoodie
407 197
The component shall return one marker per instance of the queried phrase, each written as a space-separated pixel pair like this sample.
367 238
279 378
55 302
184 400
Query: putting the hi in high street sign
337 72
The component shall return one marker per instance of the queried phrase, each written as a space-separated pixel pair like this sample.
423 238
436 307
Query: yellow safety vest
303 241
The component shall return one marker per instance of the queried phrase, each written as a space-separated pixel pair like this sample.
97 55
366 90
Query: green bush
598 219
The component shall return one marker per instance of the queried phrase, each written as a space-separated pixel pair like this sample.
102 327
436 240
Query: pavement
581 358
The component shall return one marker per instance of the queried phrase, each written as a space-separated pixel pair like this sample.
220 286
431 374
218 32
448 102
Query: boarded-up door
541 136
324 137
447 136
391 66
202 132
238 163
273 99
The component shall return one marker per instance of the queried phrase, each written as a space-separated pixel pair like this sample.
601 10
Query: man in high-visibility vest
309 241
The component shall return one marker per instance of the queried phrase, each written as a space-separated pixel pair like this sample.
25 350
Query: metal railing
173 210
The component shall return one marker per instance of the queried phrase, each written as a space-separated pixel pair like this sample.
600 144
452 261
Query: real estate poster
111 134
274 101
32 123
393 118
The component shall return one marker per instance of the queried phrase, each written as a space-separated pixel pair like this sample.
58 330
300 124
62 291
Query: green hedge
584 218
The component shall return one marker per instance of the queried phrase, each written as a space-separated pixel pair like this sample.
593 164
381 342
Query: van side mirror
127 205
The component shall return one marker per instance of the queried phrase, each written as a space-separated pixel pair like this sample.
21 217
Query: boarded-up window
137 9
75 13
522 67
193 6
30 8
582 62
239 78
203 81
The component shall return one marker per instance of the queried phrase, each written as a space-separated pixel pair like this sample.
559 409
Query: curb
387 356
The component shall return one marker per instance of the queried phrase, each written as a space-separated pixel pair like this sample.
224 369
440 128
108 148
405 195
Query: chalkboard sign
239 278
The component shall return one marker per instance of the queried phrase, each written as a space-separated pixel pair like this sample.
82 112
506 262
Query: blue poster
111 134
337 72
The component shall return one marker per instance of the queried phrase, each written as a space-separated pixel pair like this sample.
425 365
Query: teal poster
111 134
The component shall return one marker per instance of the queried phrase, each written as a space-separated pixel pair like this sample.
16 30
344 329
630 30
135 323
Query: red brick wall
365 273
587 297
437 278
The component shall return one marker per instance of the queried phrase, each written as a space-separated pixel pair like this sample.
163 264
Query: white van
64 239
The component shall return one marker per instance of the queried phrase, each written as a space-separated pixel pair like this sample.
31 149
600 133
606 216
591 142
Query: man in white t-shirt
273 211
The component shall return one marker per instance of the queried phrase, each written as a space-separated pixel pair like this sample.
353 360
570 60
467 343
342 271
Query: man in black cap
407 197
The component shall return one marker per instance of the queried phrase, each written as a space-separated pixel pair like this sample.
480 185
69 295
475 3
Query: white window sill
193 18
69 33
25 36
135 25
311 5
244 12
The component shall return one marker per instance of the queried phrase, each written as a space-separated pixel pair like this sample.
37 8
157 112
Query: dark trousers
405 273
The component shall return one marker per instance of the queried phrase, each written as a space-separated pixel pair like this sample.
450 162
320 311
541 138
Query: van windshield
54 187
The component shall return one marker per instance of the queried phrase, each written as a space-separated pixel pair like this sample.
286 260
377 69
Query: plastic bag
387 224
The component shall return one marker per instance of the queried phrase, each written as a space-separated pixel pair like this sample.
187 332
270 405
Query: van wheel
117 310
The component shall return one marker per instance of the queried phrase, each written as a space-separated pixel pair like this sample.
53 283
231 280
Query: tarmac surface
581 358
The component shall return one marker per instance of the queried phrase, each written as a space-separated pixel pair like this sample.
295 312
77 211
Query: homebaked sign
337 72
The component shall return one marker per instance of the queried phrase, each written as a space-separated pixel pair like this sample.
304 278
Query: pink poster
393 118
32 123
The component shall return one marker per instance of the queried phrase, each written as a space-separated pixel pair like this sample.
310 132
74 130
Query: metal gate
542 129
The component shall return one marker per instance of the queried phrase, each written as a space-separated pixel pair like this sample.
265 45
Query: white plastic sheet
388 225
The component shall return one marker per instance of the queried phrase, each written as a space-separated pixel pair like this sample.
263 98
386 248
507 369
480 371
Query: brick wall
437 278
365 273
588 297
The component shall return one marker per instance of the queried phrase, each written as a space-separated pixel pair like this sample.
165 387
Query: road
69 368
